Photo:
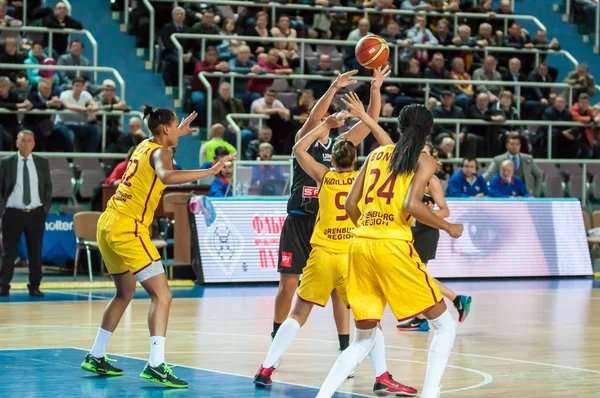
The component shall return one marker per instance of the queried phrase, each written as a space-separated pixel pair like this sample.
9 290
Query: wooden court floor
522 339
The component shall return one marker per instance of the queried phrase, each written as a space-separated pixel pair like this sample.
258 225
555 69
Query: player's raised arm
360 131
413 204
358 110
163 166
313 168
355 194
437 193
320 109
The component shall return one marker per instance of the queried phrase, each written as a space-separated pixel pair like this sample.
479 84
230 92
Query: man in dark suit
42 125
525 168
170 55
25 199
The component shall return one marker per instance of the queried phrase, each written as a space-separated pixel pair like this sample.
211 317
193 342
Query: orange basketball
372 51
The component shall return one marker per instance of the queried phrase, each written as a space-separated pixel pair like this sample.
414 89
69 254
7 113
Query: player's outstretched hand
352 101
225 161
379 75
184 126
455 230
343 80
337 119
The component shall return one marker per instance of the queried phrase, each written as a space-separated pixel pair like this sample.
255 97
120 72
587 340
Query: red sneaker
386 385
263 377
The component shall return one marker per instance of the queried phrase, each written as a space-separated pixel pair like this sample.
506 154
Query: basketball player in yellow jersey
124 241
384 267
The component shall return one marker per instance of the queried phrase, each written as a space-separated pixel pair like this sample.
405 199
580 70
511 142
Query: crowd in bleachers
458 57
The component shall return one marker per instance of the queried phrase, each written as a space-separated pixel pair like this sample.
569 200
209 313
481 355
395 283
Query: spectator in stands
560 135
260 29
265 135
505 107
305 104
413 5
107 101
215 140
42 126
261 172
117 174
387 110
514 74
75 58
485 36
221 185
392 33
406 94
464 37
220 152
380 21
81 125
518 38
207 26
242 64
363 29
209 64
323 68
279 121
60 20
482 110
445 150
223 106
418 34
464 92
9 123
135 135
289 50
11 55
506 184
524 166
170 55
195 11
586 144
228 48
25 199
535 100
270 66
581 77
467 182
442 34
504 9
488 72
22 87
540 41
10 22
36 57
437 70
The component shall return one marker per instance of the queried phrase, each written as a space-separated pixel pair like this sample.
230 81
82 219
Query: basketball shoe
162 374
386 385
414 325
263 377
463 306
100 366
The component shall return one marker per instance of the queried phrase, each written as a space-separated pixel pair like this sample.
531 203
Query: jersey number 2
385 191
136 164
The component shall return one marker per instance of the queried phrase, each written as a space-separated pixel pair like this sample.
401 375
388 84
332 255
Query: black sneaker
414 325
162 374
463 306
100 366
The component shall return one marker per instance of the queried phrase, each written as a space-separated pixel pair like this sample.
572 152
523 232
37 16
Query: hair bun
148 110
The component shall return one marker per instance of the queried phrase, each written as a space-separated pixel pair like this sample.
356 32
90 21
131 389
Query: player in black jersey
294 246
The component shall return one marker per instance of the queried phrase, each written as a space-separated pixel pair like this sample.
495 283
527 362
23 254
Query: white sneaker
278 362
353 373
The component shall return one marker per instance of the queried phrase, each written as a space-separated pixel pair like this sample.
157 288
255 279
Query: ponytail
155 118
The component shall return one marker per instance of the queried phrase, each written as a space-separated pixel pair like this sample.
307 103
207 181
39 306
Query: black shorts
425 242
294 243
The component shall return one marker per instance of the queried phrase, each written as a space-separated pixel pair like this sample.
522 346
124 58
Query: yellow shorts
388 271
323 273
124 243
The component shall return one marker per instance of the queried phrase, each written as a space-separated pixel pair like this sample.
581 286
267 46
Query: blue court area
18 296
55 372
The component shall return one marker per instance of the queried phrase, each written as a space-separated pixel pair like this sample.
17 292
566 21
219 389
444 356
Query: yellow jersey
382 204
140 189
333 229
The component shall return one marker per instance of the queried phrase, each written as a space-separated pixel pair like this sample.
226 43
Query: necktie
26 184
515 160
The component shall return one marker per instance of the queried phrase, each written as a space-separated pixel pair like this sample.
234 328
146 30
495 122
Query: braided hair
414 124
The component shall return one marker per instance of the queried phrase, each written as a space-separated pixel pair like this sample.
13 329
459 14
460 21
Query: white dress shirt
15 200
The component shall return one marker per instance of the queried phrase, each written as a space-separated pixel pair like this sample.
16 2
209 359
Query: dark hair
271 89
513 136
76 41
37 43
211 48
469 159
221 151
414 124
583 96
283 15
157 117
344 153
78 79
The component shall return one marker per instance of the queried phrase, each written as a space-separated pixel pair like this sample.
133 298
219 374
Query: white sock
157 350
377 354
350 358
439 351
99 348
286 333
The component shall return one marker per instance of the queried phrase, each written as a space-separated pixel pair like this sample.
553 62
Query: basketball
372 51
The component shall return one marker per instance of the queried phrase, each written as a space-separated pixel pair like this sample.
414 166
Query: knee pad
445 333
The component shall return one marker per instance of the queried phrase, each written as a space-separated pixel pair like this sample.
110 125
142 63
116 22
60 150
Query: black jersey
304 195
420 226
